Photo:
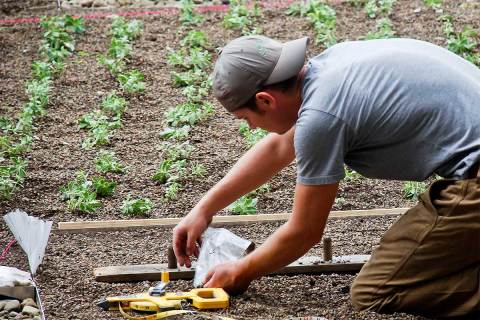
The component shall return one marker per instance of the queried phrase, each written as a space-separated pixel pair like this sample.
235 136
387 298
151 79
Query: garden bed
66 284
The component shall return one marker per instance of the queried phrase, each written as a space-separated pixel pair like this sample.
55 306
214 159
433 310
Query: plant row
323 18
82 194
190 66
57 44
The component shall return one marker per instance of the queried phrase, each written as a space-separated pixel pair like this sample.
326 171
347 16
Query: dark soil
68 289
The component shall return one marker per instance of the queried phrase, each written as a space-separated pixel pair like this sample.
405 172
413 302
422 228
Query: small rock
3 313
29 302
37 318
31 311
12 305
12 314
417 10
2 305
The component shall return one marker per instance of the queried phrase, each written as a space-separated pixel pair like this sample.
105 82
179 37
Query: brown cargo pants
428 262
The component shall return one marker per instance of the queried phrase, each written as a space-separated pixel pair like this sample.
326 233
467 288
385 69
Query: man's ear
265 101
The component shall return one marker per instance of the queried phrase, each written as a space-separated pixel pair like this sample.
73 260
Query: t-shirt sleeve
320 147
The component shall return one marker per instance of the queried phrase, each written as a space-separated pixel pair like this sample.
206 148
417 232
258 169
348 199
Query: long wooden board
112 225
152 272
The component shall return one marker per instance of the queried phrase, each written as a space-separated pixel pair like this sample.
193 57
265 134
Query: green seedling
171 191
188 15
106 161
113 65
323 18
188 78
351 175
413 189
436 4
42 70
371 9
239 17
114 104
7 183
196 94
122 29
251 136
188 114
383 30
172 133
96 119
80 195
6 125
197 58
163 171
132 82
136 207
195 38
175 152
244 205
198 170
120 48
464 42
99 136
386 6
103 187
72 24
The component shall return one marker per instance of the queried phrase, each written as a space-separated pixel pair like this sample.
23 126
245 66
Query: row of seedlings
190 63
82 194
57 44
380 10
321 16
243 18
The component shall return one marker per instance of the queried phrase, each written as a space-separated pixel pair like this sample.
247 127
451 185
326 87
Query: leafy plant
251 136
114 104
383 30
113 65
195 38
80 195
436 4
171 191
351 175
187 14
136 206
244 205
198 170
239 17
386 6
180 133
413 189
42 70
132 81
463 42
120 48
371 8
163 171
188 78
188 113
106 161
176 152
123 29
103 187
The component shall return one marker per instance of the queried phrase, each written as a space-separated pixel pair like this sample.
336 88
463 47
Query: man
393 109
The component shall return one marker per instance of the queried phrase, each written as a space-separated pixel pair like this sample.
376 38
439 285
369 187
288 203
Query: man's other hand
186 235
228 276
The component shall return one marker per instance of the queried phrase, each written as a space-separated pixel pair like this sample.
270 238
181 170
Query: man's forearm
253 169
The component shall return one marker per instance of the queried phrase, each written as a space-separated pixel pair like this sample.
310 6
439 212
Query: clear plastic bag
218 246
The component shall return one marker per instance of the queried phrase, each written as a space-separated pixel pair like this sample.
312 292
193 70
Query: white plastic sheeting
218 246
32 235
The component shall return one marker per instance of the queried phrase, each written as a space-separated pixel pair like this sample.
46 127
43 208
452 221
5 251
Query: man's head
254 74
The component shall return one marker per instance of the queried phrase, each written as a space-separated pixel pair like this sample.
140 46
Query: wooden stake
327 249
172 259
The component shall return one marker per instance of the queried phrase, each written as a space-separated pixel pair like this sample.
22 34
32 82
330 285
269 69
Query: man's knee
365 296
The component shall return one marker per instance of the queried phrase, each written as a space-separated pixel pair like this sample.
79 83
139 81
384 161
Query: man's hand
229 277
187 234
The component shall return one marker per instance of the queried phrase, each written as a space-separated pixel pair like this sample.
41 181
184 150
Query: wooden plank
218 221
152 272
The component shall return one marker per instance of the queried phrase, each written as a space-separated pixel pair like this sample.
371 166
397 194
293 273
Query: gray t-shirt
391 109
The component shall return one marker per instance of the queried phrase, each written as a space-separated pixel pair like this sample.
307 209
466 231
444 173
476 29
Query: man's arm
254 168
292 240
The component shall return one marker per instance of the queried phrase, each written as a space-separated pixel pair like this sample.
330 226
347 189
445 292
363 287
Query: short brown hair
282 86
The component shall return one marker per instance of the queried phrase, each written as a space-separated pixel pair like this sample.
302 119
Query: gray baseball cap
247 63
